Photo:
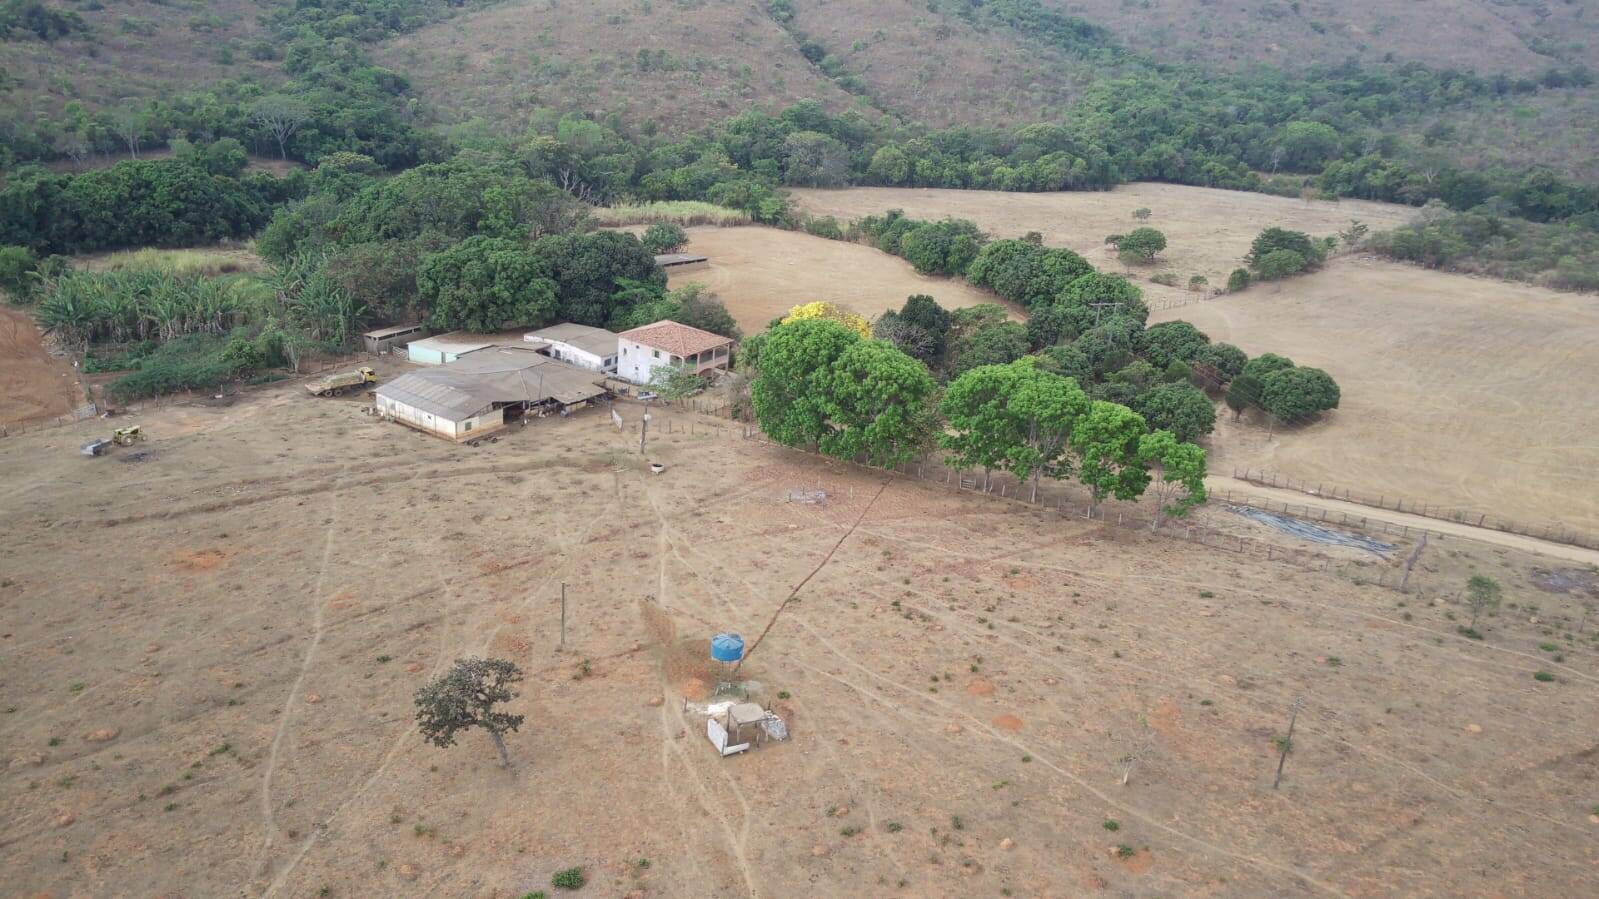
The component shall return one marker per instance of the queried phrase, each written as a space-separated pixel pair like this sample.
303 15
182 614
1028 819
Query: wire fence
1554 531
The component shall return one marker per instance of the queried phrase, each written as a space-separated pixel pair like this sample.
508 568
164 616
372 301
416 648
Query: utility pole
1098 306
1293 716
644 429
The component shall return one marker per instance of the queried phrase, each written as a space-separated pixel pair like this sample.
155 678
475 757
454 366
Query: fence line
1555 532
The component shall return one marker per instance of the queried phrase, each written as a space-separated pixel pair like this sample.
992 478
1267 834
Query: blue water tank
727 647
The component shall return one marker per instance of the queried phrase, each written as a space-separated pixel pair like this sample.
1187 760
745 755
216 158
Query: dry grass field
1462 392
209 656
1459 391
1208 230
760 273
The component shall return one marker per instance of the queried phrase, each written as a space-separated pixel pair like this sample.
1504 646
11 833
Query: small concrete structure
580 345
382 340
445 348
664 343
673 262
485 391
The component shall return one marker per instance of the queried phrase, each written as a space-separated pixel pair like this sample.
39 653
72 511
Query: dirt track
226 708
33 384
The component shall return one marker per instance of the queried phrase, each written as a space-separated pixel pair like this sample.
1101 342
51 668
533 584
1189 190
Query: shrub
665 237
18 267
1543 677
1280 264
1238 280
569 879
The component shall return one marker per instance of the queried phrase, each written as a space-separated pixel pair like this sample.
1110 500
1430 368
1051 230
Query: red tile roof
679 340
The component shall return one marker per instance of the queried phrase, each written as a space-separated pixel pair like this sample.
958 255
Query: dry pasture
209 657
1463 392
1208 230
760 273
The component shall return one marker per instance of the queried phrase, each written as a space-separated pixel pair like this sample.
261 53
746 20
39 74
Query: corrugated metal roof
381 333
453 342
474 383
666 259
598 341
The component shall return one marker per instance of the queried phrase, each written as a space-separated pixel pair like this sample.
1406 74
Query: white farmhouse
643 350
579 345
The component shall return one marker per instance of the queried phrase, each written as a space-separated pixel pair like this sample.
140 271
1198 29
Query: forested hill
73 70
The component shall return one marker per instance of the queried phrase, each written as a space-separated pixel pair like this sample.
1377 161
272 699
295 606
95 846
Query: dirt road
1453 528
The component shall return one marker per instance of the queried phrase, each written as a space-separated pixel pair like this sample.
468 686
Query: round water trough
727 647
657 467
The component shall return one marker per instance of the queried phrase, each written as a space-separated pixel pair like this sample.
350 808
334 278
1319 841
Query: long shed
445 348
484 391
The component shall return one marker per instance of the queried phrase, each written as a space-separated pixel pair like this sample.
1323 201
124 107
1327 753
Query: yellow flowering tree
829 311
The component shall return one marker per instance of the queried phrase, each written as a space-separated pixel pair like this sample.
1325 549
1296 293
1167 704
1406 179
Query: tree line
821 385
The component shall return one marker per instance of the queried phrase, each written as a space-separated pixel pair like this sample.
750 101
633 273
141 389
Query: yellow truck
343 382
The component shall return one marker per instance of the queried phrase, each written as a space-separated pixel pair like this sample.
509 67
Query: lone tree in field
664 237
1482 595
465 698
1141 245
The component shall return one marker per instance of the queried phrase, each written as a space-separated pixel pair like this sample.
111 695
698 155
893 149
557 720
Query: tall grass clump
207 262
678 212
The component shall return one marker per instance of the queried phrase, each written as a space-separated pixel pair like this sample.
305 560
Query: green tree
813 159
1295 394
1238 280
674 382
1266 363
1174 340
1105 295
1016 417
1141 245
665 237
1482 596
875 399
788 393
1106 441
468 696
1308 146
18 272
486 284
1273 239
1068 361
993 344
1222 361
592 273
1180 483
1244 392
1182 409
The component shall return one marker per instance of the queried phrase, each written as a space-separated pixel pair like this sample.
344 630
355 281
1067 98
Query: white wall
580 357
442 427
635 361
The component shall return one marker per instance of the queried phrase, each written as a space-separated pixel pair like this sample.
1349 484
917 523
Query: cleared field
227 708
1457 391
1208 230
760 273
33 383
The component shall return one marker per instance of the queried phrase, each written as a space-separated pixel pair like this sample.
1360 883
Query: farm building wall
439 426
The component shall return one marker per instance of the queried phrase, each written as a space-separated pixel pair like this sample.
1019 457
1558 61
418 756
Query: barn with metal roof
485 390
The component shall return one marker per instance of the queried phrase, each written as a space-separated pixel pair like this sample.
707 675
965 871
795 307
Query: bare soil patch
34 385
760 273
252 719
1458 391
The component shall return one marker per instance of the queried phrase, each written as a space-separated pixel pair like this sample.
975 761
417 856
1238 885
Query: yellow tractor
127 436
